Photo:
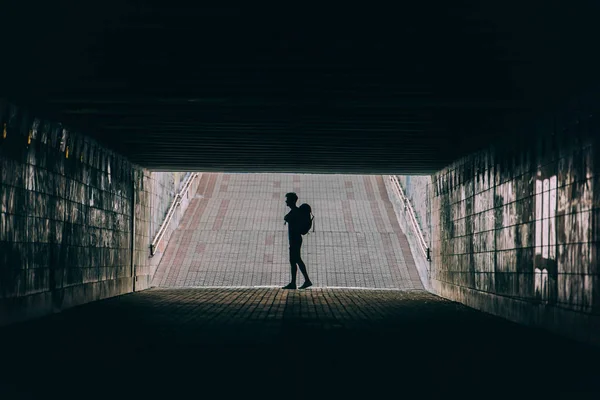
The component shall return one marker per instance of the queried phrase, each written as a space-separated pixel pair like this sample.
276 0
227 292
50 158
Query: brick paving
233 234
271 343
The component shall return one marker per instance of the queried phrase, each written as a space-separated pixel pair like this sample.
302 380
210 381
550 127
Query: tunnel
448 152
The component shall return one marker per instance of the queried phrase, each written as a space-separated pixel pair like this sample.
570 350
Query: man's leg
294 256
307 281
302 267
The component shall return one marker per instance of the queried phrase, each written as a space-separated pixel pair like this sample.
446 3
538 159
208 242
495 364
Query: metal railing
411 216
176 202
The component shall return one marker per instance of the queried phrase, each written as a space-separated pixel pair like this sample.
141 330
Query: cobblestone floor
270 343
233 234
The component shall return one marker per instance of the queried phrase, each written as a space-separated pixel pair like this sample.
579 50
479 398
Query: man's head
291 199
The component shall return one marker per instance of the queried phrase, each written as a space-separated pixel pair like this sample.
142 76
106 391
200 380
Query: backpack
306 219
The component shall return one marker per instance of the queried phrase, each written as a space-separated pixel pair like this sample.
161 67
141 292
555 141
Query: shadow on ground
270 343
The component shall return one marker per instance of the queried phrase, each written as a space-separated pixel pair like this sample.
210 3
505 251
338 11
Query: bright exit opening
233 234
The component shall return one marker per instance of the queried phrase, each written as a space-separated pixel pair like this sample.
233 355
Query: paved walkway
270 343
233 234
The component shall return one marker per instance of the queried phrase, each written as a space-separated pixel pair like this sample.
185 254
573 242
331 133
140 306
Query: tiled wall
515 229
65 218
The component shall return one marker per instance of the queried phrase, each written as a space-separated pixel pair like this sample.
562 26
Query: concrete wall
515 229
418 195
163 186
417 189
66 219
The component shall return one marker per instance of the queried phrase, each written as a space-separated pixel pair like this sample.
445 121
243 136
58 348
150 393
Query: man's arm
286 218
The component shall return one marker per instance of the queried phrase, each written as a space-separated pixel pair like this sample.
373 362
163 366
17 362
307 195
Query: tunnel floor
272 343
233 234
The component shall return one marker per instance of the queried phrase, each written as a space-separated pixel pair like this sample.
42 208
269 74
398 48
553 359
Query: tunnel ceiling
406 88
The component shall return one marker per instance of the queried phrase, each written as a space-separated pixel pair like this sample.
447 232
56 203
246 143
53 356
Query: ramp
233 234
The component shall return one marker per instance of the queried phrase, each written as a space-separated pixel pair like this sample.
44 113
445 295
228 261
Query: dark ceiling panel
403 89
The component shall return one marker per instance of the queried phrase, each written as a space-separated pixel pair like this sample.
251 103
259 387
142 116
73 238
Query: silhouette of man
294 225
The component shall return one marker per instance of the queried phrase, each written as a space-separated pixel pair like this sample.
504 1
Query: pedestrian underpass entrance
233 234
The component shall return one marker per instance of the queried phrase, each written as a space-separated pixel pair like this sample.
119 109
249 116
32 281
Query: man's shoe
290 286
306 284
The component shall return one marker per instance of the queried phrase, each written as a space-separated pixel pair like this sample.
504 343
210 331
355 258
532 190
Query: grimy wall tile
520 222
66 207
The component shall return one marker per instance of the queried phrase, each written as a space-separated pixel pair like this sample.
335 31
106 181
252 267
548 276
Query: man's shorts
295 246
